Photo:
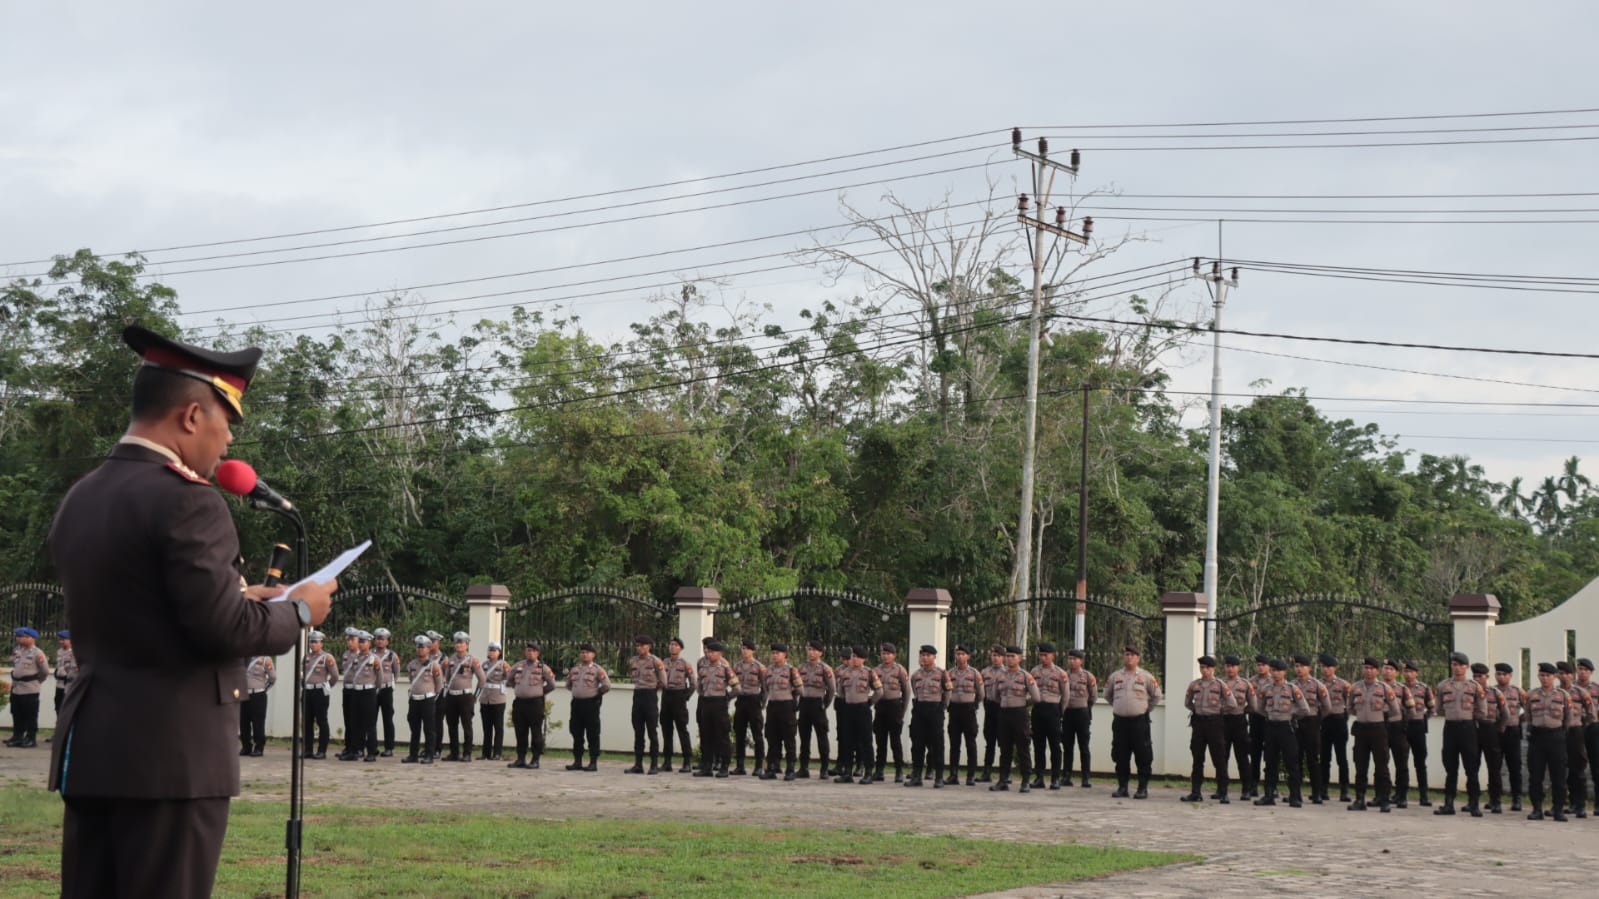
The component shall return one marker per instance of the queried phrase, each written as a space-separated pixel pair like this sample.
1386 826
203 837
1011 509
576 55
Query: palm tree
1546 503
1514 504
1572 483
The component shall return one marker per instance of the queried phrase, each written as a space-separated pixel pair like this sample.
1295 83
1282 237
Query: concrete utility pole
1212 494
1044 171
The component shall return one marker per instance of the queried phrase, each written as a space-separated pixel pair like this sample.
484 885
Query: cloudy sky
155 125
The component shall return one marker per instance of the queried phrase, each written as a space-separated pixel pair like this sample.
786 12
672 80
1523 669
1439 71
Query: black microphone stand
292 830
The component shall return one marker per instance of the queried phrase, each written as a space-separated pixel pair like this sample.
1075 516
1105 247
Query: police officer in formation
1077 723
1208 700
1490 721
462 683
427 684
996 667
717 684
749 707
388 675
66 667
1131 692
859 688
1048 715
966 691
648 674
259 677
1235 726
818 689
30 668
1551 712
360 700
319 677
492 702
1308 727
1576 745
677 686
588 683
1461 702
1423 705
781 692
1590 730
1281 703
930 690
1335 728
1510 734
1257 727
531 681
1373 703
1015 690
888 722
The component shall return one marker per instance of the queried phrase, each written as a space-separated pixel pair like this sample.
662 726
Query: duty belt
258 690
360 686
459 692
423 695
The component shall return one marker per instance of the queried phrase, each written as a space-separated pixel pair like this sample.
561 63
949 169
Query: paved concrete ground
1314 851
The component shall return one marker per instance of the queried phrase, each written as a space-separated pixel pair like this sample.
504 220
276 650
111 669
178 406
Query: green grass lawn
385 852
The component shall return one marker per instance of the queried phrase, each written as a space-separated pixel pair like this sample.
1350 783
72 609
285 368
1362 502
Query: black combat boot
1515 802
915 780
1536 814
1143 789
789 774
1359 805
938 778
1121 790
986 777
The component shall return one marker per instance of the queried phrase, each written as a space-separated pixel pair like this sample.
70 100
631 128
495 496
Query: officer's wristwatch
302 610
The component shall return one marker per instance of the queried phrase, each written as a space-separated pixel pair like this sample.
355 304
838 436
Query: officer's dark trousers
61 693
493 715
1460 748
646 723
1576 767
854 736
1590 737
962 727
844 747
1047 728
1492 757
586 728
1281 746
1076 724
1129 740
314 709
141 847
1399 749
1546 751
1236 729
747 726
421 716
716 747
888 726
252 721
527 719
25 715
386 716
812 720
1209 732
360 720
1510 750
1257 746
1371 745
1014 737
1309 733
927 737
1416 742
990 731
458 713
674 717
1335 746
780 730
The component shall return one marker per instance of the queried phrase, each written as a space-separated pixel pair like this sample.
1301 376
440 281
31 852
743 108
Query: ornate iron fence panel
839 619
406 611
1109 627
37 605
563 620
1349 627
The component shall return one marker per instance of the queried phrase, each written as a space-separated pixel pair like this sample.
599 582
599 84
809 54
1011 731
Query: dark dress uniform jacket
148 557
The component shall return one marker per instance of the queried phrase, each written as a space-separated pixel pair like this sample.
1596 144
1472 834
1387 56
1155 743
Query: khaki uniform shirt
427 677
647 672
1281 702
1052 685
717 680
1261 682
1337 695
819 682
966 684
895 679
1515 705
783 683
496 677
260 674
1422 701
1082 688
1590 693
1373 703
1016 689
858 685
1316 698
66 666
1493 711
1461 700
320 671
1243 694
388 668
930 685
1582 705
1209 697
532 680
588 680
677 674
1131 693
991 682
1553 708
29 668
361 670
465 673
751 677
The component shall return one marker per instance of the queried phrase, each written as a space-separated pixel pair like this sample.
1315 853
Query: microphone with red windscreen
239 479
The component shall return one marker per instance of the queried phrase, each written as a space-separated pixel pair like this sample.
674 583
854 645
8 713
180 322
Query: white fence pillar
929 622
1185 643
1474 615
696 616
485 621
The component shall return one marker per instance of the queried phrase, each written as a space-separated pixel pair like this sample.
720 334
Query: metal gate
1348 627
1109 627
406 611
563 620
37 605
839 619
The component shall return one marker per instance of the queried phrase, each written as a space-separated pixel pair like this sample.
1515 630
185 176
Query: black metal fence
36 605
1109 627
563 620
1348 627
406 611
839 619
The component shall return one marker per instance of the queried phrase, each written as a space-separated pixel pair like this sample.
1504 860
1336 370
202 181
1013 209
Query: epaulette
187 473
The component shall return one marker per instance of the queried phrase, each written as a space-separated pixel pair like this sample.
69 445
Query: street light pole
1213 486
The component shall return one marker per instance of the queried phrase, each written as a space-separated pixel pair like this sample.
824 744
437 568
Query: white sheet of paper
329 571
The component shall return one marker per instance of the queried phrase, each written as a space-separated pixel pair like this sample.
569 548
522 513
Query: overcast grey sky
159 124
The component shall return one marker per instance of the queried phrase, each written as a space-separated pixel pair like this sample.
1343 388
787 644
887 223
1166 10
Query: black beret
1479 668
888 647
858 651
714 646
531 644
643 640
677 640
1046 647
707 641
1262 659
1546 668
1013 650
1328 658
1207 661
1409 665
779 647
1459 658
747 644
1230 660
1585 663
997 649
1278 665
1503 668
1565 668
1372 662
962 647
1301 659
816 645
1132 649
1076 654
929 649
587 647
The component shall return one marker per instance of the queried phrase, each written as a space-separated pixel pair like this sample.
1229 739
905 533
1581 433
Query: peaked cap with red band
228 373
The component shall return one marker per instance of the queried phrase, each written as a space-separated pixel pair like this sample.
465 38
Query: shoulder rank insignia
187 473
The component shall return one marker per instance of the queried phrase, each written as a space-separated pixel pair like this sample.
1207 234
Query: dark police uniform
816 695
783 687
1511 735
990 714
588 684
532 682
1235 726
648 674
858 690
930 691
146 549
1016 690
1460 703
1335 729
1422 703
1374 704
1550 711
1280 704
1077 722
966 691
888 720
748 708
1049 717
1208 699
678 686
